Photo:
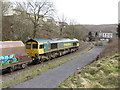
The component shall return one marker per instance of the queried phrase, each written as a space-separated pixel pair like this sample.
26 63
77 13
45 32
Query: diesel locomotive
45 49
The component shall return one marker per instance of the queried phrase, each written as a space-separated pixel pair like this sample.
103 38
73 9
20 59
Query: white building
105 34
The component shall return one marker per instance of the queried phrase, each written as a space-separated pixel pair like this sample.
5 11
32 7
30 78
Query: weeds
91 76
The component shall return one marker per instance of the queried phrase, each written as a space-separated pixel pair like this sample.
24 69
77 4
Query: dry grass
98 43
103 73
110 49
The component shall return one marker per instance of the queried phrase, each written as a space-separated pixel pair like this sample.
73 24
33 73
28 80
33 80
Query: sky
87 11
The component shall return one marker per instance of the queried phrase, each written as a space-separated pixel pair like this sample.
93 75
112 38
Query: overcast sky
88 11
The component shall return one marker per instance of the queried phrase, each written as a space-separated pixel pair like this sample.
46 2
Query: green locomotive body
41 49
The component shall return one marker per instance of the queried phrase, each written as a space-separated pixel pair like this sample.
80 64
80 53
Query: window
41 46
74 44
111 35
53 45
35 46
28 46
103 35
106 34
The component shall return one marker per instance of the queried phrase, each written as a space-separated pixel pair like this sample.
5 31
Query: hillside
107 27
103 73
15 27
22 29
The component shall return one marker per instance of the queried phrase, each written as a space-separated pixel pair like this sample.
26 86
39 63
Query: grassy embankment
37 71
103 73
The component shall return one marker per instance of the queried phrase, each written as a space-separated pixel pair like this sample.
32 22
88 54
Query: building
105 35
61 23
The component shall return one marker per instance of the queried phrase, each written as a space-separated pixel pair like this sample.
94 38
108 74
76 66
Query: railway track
11 76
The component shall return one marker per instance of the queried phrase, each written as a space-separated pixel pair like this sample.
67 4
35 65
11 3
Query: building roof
105 32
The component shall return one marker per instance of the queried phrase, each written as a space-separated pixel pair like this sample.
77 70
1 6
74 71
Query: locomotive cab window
54 46
41 46
28 46
74 44
35 46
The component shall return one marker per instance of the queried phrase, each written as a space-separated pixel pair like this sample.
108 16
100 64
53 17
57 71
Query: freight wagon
13 55
45 49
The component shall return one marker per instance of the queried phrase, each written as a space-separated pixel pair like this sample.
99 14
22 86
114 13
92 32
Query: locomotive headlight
33 58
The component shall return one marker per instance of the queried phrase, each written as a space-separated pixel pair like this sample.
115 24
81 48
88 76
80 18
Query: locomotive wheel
49 57
23 66
61 53
10 69
16 67
36 61
52 56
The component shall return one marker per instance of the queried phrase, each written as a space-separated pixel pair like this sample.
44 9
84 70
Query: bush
98 43
110 49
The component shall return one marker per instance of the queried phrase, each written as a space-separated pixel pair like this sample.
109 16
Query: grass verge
97 43
37 71
103 73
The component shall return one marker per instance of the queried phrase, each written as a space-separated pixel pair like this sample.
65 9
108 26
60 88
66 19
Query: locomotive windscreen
28 46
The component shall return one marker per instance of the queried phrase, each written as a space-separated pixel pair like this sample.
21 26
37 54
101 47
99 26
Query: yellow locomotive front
32 48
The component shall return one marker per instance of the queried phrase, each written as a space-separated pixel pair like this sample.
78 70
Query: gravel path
54 77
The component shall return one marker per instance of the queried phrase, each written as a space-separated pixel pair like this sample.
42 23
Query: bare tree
5 7
62 23
72 26
36 12
75 30
22 27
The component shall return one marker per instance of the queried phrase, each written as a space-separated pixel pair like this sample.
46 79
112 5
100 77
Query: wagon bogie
23 65
10 69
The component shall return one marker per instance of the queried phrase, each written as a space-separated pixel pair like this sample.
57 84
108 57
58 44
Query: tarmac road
54 77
